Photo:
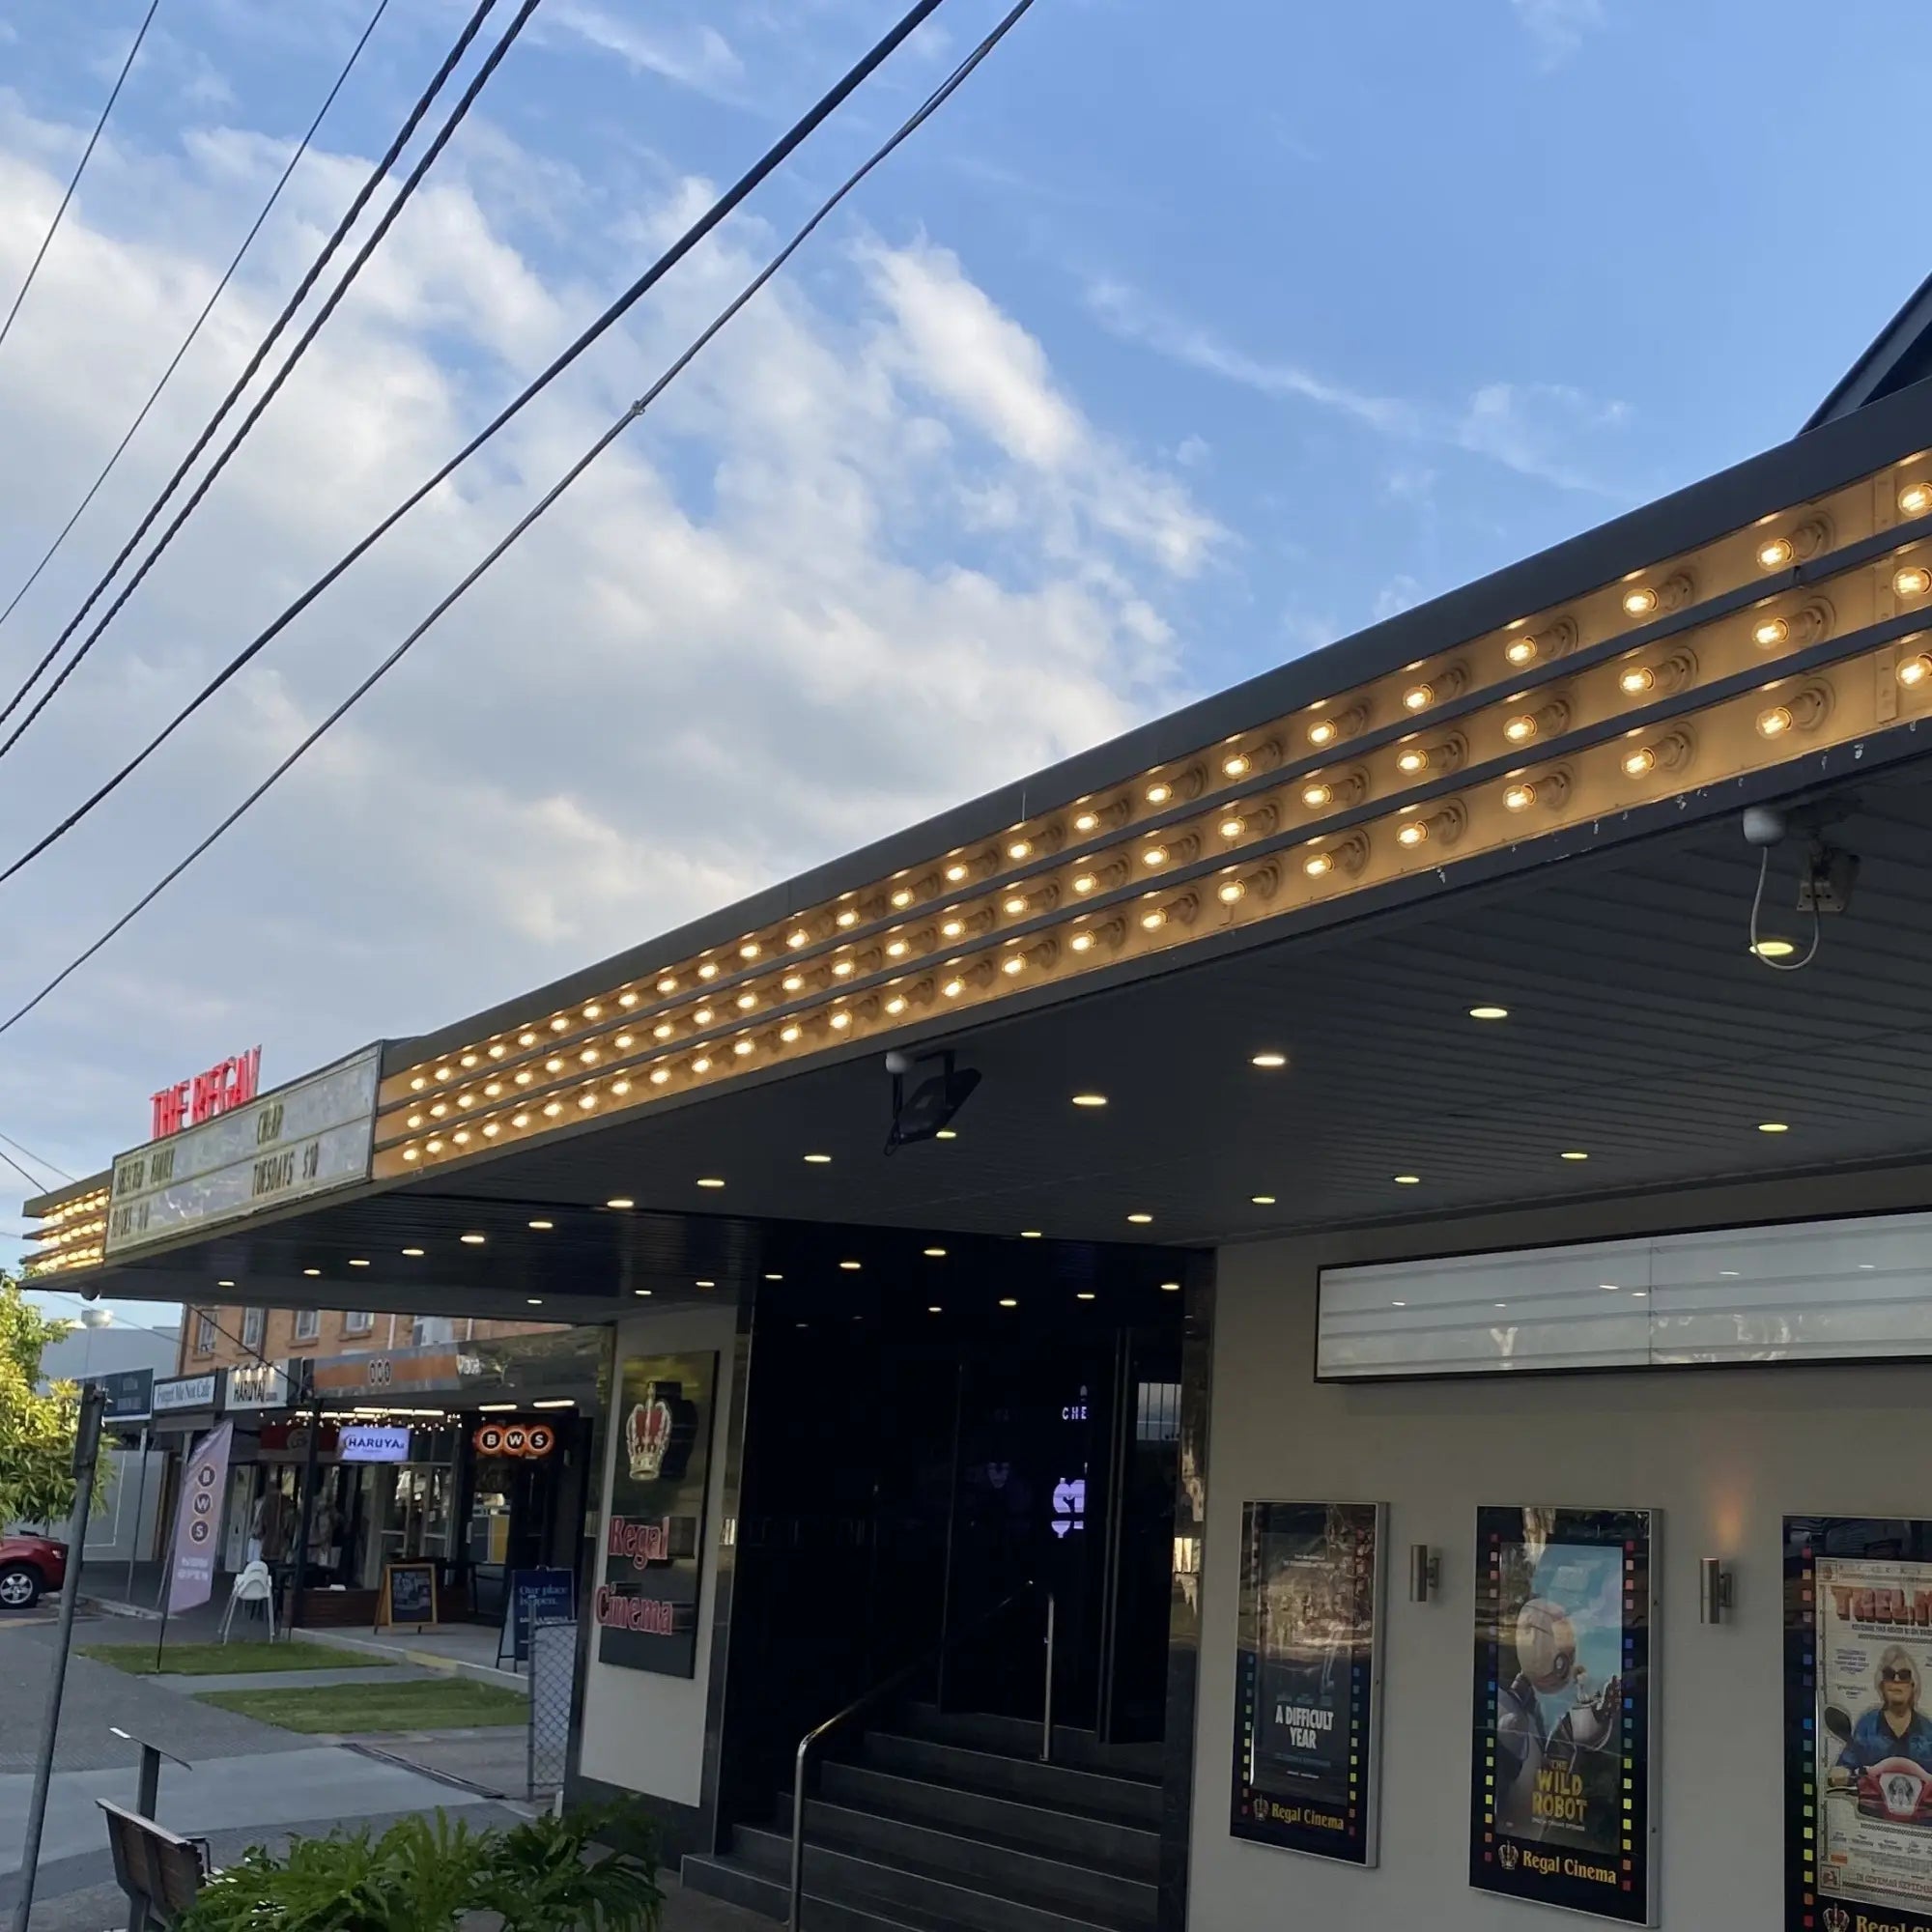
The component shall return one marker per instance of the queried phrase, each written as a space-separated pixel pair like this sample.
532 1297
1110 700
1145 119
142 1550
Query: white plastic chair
254 1585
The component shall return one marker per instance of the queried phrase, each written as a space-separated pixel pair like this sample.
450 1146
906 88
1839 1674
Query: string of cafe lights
207 309
710 219
377 176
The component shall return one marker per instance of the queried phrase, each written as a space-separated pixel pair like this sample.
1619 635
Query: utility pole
86 1453
306 1521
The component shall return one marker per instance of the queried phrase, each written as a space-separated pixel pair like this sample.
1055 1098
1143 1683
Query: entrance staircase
947 1822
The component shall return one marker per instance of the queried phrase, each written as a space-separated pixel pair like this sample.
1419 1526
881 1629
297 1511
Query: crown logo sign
647 1435
1837 1918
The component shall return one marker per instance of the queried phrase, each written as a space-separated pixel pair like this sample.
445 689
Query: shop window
426 1328
251 1329
203 1334
357 1322
308 1324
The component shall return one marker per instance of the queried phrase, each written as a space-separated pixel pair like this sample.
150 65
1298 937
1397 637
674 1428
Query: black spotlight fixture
932 1103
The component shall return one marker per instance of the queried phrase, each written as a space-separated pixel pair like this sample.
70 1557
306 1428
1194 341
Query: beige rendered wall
1724 1453
643 1731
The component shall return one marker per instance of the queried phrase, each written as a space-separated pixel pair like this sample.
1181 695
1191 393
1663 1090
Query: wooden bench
161 1874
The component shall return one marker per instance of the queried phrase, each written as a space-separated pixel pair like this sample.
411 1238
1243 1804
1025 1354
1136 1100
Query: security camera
897 1062
1764 825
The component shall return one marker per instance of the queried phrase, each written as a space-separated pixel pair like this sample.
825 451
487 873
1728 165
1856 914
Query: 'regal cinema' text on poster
1563 1807
1308 1678
1858 1750
648 1591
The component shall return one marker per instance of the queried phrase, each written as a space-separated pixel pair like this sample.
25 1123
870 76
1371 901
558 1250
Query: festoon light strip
1540 724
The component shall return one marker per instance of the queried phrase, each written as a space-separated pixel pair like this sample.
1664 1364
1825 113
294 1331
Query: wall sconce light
1425 1573
1714 1590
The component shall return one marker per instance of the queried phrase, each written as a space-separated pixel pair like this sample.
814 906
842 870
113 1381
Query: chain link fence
552 1674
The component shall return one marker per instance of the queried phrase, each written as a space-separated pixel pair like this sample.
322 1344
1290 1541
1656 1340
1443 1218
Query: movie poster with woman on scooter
1859 1641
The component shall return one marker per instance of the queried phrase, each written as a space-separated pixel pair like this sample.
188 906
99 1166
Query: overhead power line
768 164
39 1159
187 341
933 101
38 1186
86 155
377 176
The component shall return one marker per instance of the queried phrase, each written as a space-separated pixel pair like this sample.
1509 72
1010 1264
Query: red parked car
29 1565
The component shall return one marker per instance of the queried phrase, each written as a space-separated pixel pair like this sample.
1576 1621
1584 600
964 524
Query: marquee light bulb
1914 670
619 1086
1085 883
1771 632
704 1015
1159 793
1915 498
1236 765
1637 680
842 969
526 1039
709 970
1014 906
1087 821
1318 794
1013 962
1154 855
1776 553
741 1047
953 928
1318 864
1233 828
1019 849
897 949
849 918
954 872
750 950
790 1033
1521 651
1914 580
668 985
1518 797
1415 832
662 1030
553 1065
623 1000
1082 942
1775 721
1640 601
551 1109
1154 920
701 1064
659 1076
902 898
588 1056
1413 760
1639 763
1231 890
1322 732
1418 697
586 1101
797 939
897 1004
469 1058
793 982
1521 729
954 988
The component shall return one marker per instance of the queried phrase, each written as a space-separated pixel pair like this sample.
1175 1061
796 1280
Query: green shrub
588 1869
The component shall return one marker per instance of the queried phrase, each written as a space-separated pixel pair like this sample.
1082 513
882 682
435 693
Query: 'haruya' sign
646 1601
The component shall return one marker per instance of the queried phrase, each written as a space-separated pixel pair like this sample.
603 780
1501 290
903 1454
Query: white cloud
869 556
1558 26
1532 428
696 55
1402 592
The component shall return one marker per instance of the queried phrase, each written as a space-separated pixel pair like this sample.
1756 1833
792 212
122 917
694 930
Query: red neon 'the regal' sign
230 1083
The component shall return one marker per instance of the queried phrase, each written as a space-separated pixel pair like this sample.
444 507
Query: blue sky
1185 340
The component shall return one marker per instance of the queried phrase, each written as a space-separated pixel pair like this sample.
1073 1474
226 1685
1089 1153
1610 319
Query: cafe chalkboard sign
409 1595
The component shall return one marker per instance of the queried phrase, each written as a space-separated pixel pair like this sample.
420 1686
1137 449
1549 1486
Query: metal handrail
866 1698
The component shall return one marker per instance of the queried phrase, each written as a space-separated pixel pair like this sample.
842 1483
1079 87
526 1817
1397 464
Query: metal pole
140 1508
86 1452
147 1802
796 1919
307 1517
1046 1727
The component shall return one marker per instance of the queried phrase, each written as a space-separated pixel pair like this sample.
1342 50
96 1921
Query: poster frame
1875 1538
1359 1841
1497 1861
619 1642
385 1618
